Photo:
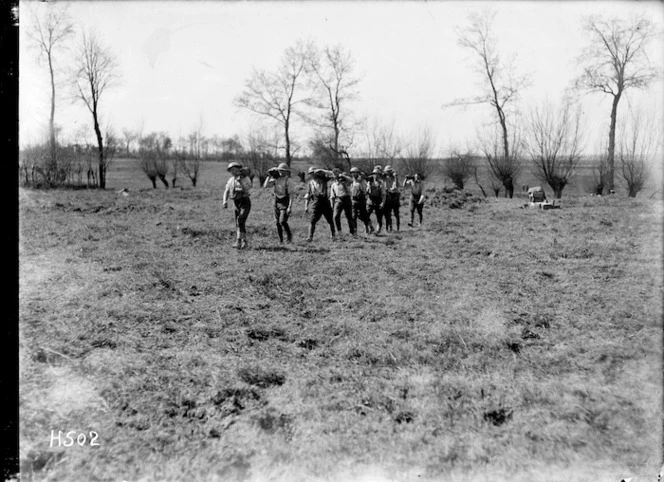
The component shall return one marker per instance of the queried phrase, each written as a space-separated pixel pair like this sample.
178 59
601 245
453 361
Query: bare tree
276 94
388 144
257 156
503 169
553 142
501 83
334 86
419 154
49 33
97 70
637 148
190 161
383 145
459 167
129 137
615 61
153 156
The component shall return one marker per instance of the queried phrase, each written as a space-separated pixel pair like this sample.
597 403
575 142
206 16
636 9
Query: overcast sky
185 61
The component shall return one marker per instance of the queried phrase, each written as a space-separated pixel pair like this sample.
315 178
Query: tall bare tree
615 61
333 83
553 142
277 95
50 32
502 84
96 71
637 148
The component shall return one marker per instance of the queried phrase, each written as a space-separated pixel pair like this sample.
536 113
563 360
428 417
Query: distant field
496 343
123 173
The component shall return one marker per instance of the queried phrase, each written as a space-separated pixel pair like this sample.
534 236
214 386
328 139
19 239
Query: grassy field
495 343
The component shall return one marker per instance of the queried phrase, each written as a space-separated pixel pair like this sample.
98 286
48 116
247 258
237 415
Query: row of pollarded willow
324 81
614 61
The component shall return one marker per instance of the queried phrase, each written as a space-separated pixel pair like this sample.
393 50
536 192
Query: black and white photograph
335 241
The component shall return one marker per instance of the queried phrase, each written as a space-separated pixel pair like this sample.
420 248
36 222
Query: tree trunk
477 181
51 124
336 140
154 182
503 125
288 154
557 192
163 179
509 188
612 143
100 147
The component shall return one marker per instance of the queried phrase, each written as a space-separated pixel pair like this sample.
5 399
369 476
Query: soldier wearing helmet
238 189
317 198
377 195
358 197
393 198
279 179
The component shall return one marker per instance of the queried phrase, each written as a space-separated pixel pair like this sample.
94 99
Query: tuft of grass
260 377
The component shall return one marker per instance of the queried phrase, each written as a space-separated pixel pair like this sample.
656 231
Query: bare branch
333 87
553 142
502 89
276 95
637 148
616 60
97 70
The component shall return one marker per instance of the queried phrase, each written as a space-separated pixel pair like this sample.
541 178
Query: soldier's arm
226 192
306 197
289 187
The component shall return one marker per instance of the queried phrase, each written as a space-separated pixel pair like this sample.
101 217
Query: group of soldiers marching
329 194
